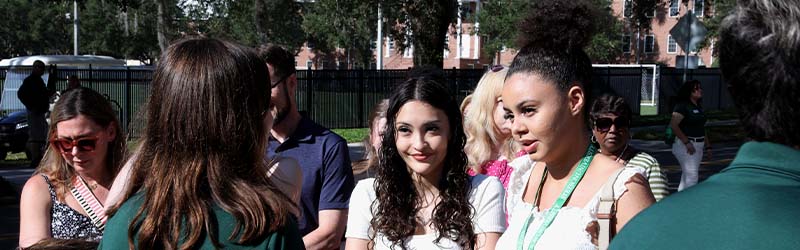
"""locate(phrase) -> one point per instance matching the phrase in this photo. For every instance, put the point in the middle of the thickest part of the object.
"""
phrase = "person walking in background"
(489, 145)
(554, 199)
(323, 156)
(688, 123)
(422, 197)
(365, 168)
(65, 197)
(751, 204)
(35, 95)
(200, 179)
(73, 82)
(611, 118)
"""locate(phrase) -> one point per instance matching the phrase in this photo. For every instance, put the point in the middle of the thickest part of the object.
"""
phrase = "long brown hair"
(203, 145)
(396, 204)
(371, 158)
(95, 107)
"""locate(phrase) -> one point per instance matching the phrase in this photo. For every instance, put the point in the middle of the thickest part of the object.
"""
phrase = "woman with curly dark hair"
(422, 198)
(554, 196)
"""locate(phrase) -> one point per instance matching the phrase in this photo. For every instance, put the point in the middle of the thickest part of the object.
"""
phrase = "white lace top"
(568, 230)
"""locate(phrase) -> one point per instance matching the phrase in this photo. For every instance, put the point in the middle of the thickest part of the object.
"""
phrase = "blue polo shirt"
(327, 176)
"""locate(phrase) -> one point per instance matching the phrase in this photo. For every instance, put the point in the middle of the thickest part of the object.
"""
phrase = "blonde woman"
(489, 145)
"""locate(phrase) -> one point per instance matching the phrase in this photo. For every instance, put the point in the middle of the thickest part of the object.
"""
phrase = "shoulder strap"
(89, 202)
(50, 187)
(606, 210)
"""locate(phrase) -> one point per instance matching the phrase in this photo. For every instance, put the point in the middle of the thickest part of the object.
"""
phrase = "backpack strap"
(607, 210)
(89, 203)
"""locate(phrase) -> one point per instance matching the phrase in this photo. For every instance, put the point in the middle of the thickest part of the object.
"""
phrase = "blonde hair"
(483, 136)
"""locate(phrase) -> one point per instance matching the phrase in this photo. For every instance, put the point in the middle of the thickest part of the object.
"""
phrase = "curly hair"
(610, 104)
(396, 204)
(552, 38)
(759, 58)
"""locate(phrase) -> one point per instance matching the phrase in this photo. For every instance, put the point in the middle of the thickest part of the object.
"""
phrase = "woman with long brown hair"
(200, 177)
(422, 197)
(64, 198)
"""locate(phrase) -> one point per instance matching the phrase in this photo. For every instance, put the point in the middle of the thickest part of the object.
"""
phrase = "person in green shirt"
(753, 203)
(200, 178)
(688, 123)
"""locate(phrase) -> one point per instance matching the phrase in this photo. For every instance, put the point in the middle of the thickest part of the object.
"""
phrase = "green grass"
(647, 110)
(352, 134)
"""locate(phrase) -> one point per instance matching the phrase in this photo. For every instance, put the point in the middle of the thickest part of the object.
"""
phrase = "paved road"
(17, 174)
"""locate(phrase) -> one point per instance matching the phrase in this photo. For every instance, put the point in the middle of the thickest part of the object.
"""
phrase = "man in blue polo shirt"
(323, 157)
(753, 203)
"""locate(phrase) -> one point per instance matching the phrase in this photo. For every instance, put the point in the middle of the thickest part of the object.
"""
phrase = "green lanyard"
(553, 211)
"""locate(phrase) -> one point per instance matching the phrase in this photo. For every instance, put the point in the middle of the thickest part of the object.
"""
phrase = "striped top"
(653, 173)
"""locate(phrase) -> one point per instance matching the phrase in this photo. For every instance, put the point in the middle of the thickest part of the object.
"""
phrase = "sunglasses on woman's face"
(604, 124)
(87, 144)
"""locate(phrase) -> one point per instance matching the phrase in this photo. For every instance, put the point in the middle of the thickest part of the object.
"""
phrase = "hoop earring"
(593, 139)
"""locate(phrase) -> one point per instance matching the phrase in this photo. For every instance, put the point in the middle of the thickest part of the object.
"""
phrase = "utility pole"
(379, 42)
(75, 27)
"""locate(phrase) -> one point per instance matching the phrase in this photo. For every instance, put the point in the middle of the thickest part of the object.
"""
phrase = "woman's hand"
(690, 148)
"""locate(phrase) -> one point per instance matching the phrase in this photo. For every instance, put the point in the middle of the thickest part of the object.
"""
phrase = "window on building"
(626, 44)
(389, 47)
(649, 43)
(465, 45)
(309, 64)
(672, 46)
(627, 8)
(409, 51)
(699, 8)
(674, 8)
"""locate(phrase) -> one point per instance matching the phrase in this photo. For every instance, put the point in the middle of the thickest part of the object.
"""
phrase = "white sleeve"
(488, 201)
(359, 214)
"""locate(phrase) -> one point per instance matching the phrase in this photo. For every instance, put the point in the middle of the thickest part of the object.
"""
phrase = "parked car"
(14, 133)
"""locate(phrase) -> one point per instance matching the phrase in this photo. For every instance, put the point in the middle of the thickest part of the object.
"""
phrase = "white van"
(20, 67)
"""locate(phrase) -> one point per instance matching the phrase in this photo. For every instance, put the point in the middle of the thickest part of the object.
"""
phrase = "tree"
(498, 23)
(345, 24)
(422, 25)
(279, 22)
(721, 10)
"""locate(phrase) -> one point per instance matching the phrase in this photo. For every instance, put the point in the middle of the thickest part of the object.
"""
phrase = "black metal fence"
(344, 98)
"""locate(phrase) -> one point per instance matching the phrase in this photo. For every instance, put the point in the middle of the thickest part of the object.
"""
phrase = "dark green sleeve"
(288, 237)
(681, 109)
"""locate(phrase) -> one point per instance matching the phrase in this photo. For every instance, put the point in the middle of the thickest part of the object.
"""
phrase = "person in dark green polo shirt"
(200, 178)
(753, 203)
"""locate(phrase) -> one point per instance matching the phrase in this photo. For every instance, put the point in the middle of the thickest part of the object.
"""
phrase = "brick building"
(464, 49)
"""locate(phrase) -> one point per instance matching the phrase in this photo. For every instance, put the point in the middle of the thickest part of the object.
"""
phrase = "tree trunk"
(258, 17)
(429, 24)
(162, 24)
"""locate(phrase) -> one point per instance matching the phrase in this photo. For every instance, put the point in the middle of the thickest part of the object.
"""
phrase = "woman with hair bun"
(554, 195)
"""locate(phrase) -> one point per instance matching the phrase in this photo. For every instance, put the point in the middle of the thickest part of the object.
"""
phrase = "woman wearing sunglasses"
(64, 198)
(688, 123)
(611, 118)
(200, 179)
(554, 199)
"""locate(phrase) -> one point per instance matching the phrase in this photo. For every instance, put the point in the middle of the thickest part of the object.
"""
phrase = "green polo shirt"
(116, 231)
(752, 204)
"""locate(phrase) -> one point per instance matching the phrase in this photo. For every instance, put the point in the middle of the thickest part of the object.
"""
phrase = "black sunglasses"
(496, 68)
(604, 124)
(283, 79)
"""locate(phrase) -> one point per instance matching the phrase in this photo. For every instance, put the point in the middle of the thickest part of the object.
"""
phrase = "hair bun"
(558, 24)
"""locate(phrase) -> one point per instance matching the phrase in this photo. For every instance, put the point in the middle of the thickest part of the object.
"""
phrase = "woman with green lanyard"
(554, 193)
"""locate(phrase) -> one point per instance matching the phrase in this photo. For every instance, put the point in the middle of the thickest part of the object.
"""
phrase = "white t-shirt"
(486, 196)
